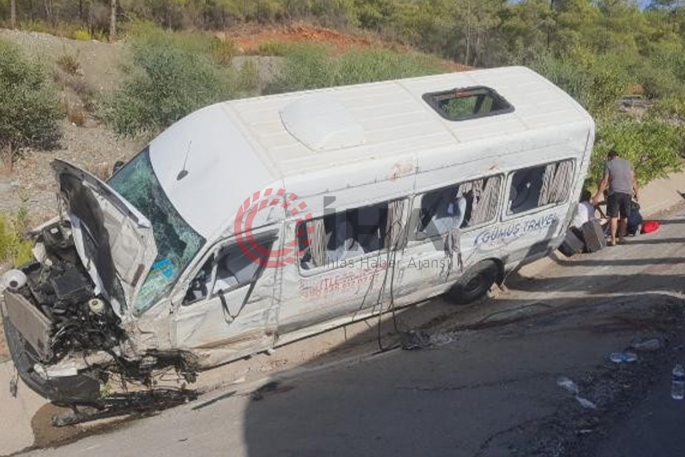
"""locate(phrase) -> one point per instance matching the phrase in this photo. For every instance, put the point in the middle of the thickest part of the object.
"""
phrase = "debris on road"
(123, 404)
(623, 357)
(570, 386)
(678, 384)
(418, 339)
(647, 345)
(585, 403)
(566, 384)
(414, 340)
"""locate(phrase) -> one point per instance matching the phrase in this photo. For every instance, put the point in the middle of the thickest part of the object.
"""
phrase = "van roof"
(236, 148)
(391, 118)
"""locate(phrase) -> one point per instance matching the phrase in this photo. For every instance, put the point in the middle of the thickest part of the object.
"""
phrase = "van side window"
(233, 271)
(342, 236)
(540, 186)
(199, 286)
(460, 206)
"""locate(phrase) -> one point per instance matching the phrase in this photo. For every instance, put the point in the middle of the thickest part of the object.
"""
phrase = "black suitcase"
(571, 245)
(593, 235)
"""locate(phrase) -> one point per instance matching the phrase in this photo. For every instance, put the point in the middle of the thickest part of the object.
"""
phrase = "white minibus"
(253, 223)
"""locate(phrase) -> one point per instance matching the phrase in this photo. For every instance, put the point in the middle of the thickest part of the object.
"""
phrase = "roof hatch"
(463, 104)
(322, 124)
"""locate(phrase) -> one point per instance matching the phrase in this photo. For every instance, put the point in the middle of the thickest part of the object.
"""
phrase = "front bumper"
(67, 389)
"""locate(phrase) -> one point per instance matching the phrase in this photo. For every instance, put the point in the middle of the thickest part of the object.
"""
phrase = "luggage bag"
(593, 235)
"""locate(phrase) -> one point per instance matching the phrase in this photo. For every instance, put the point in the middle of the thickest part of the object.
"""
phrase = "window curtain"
(556, 182)
(394, 224)
(485, 208)
(317, 241)
(562, 182)
(452, 246)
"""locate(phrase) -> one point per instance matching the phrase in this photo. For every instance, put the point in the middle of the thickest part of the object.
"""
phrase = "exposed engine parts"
(13, 280)
(57, 315)
(61, 289)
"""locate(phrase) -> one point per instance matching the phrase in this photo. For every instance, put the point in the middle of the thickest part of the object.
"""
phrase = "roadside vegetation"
(14, 249)
(29, 106)
(598, 50)
(312, 66)
(170, 75)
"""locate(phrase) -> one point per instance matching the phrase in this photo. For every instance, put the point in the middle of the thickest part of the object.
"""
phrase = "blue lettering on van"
(515, 230)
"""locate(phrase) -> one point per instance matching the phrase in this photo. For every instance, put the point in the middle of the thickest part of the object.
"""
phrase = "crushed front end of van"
(67, 315)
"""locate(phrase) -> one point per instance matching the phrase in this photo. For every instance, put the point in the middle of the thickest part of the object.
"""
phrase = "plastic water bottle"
(678, 386)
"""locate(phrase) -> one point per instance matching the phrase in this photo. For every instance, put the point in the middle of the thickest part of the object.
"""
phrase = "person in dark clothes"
(619, 179)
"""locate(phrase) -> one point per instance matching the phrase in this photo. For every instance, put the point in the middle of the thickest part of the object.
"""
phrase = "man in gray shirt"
(619, 179)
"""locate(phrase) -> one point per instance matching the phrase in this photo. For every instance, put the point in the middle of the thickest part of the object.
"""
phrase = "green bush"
(653, 146)
(363, 65)
(670, 109)
(13, 248)
(597, 82)
(312, 67)
(567, 75)
(143, 34)
(662, 75)
(29, 106)
(170, 77)
(306, 67)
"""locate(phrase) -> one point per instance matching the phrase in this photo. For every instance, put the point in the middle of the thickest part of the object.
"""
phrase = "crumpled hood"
(113, 239)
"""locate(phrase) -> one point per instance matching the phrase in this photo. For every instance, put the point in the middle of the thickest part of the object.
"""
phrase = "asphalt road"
(486, 387)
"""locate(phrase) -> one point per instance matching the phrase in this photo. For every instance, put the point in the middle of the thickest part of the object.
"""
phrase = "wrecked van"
(253, 223)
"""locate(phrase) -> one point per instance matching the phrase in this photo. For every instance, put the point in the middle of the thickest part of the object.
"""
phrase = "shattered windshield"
(177, 243)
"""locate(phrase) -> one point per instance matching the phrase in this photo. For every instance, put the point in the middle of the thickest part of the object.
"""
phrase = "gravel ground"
(32, 183)
(99, 61)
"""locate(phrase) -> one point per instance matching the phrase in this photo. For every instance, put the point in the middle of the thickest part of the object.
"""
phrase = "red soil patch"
(249, 40)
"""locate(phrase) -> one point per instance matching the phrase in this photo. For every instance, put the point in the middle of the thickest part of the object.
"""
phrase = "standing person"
(619, 179)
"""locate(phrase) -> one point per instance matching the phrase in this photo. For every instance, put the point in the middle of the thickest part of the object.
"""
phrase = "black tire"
(474, 283)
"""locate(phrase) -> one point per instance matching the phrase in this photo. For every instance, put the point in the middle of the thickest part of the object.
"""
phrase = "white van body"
(338, 150)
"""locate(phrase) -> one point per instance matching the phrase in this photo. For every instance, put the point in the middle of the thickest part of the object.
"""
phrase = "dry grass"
(69, 63)
(101, 170)
(75, 113)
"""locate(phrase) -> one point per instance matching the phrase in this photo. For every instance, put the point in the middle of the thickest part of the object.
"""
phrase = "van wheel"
(475, 283)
